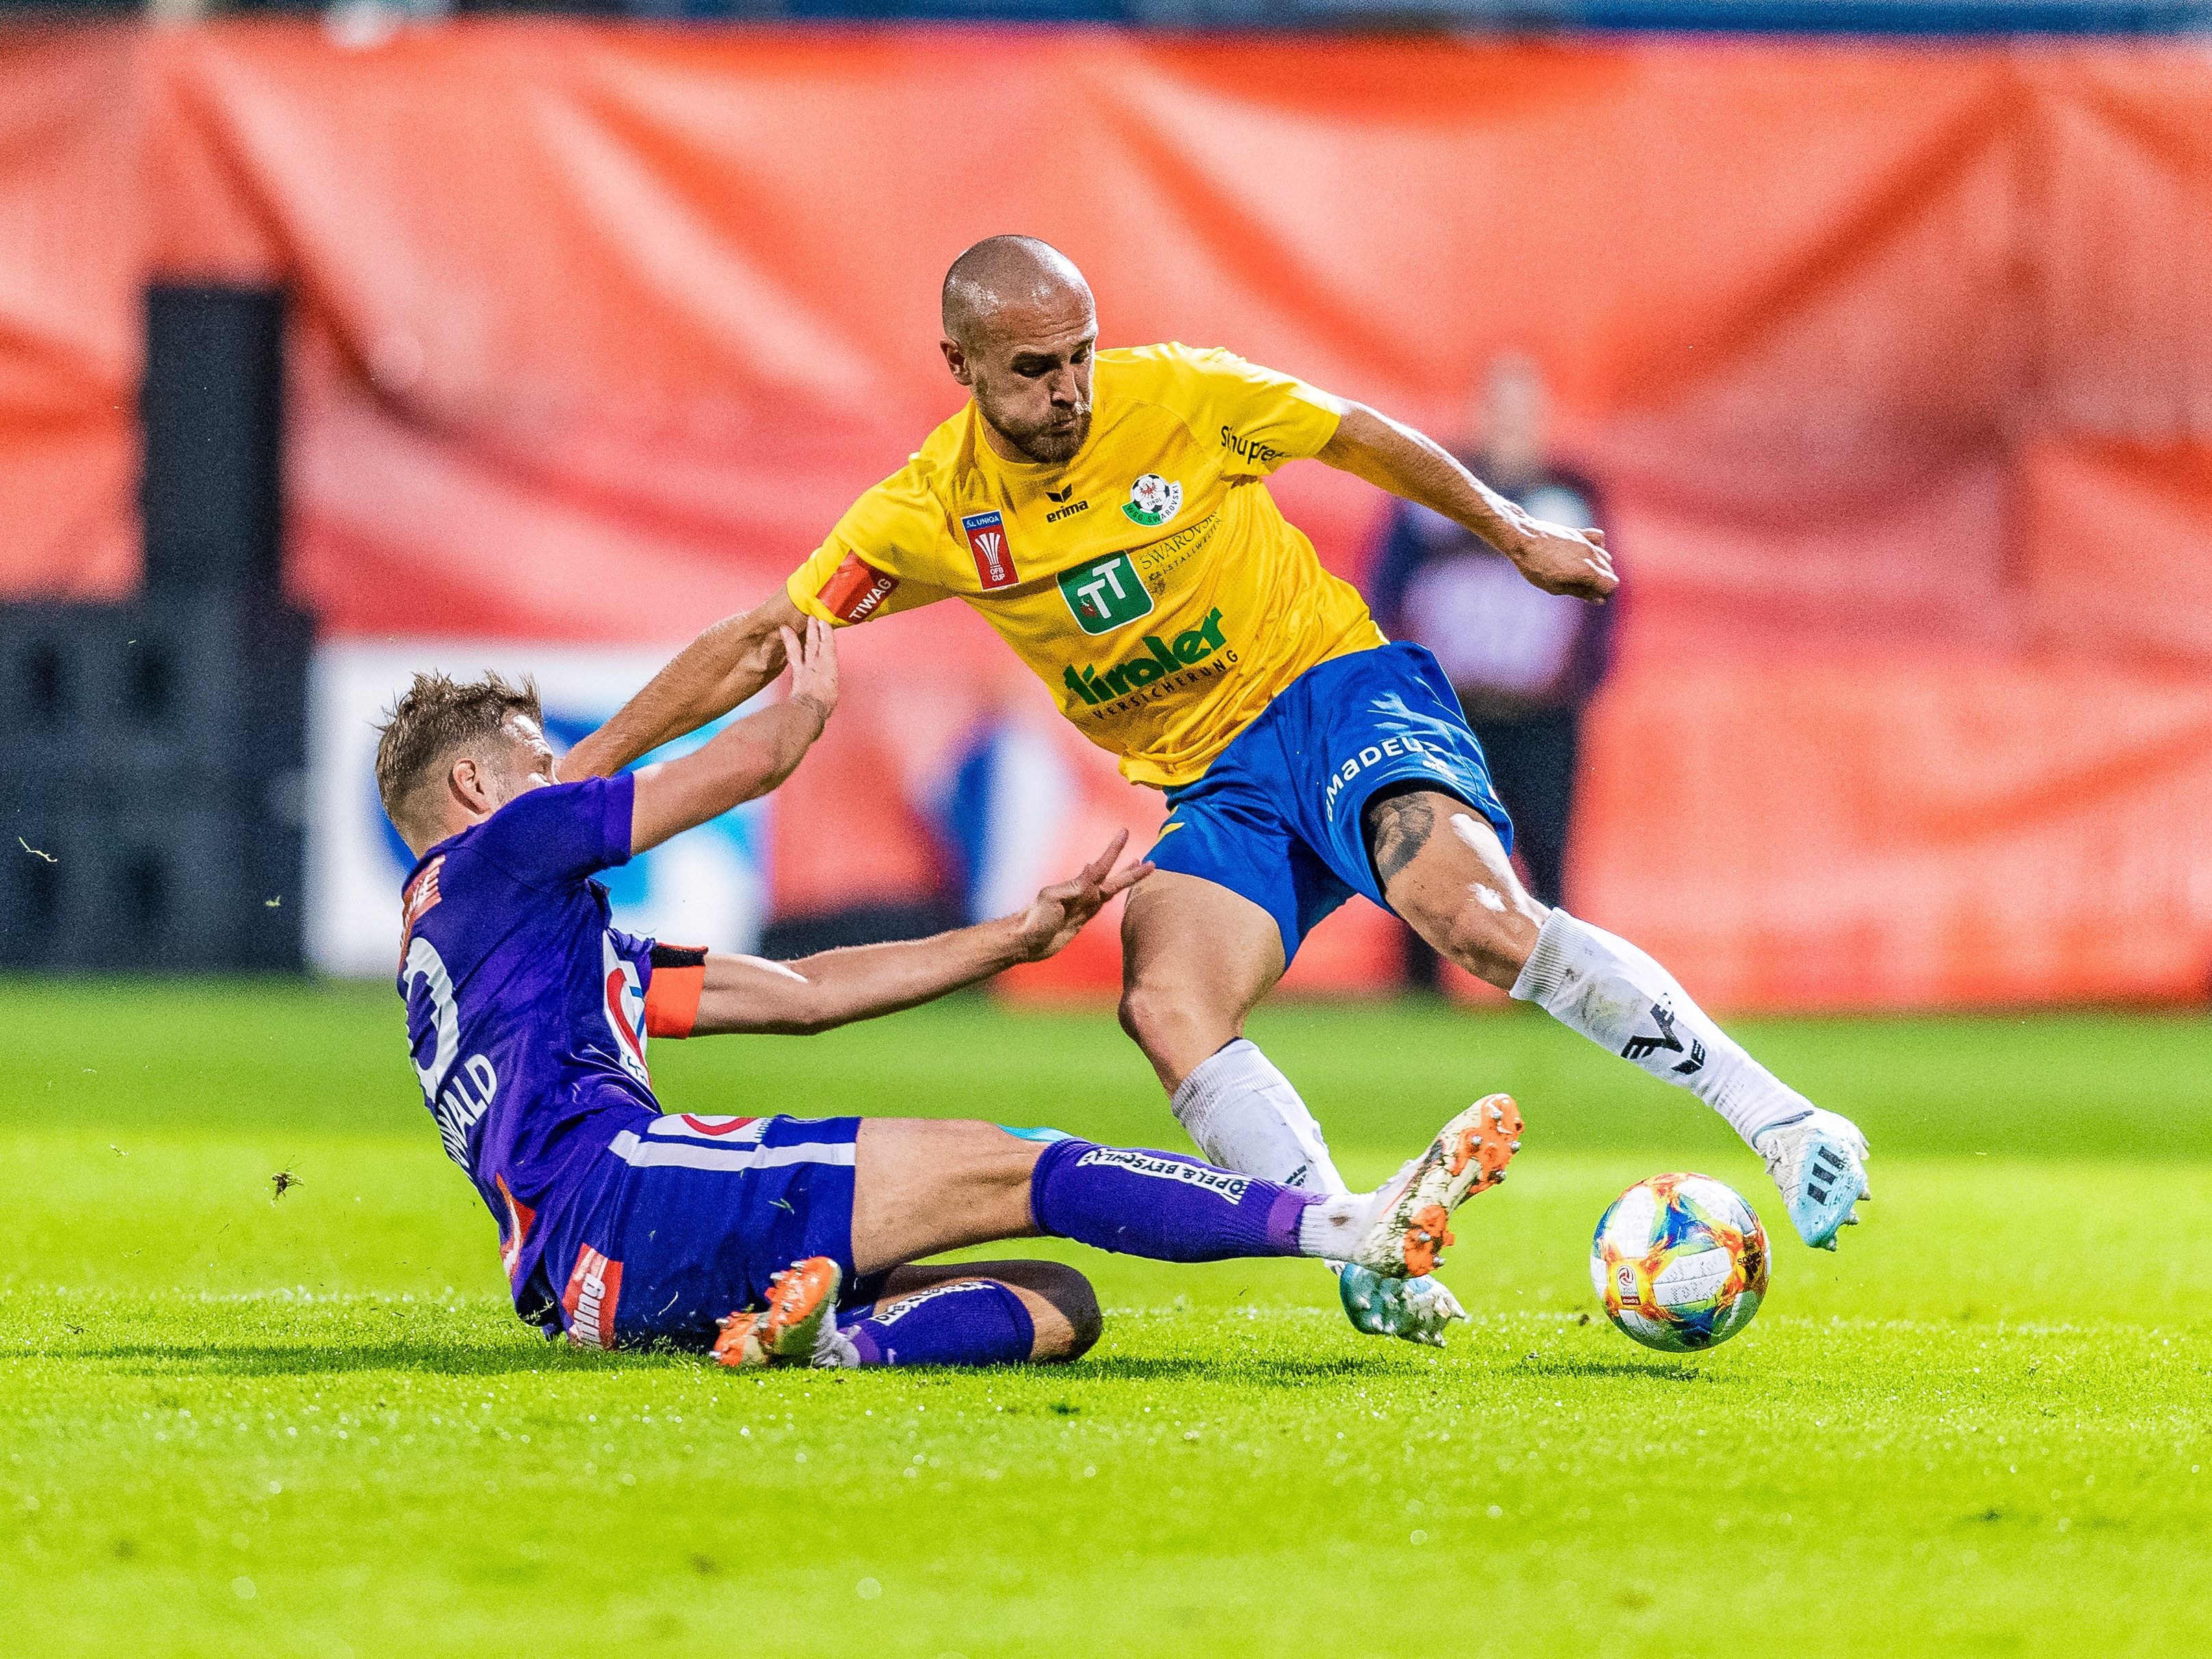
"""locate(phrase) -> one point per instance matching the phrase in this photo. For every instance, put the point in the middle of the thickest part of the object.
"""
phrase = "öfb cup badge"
(994, 557)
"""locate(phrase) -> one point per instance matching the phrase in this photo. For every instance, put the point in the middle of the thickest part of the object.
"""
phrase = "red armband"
(672, 994)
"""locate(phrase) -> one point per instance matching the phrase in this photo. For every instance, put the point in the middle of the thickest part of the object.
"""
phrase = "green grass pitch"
(231, 1422)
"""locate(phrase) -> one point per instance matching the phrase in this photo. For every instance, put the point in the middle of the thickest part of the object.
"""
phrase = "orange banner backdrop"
(1897, 364)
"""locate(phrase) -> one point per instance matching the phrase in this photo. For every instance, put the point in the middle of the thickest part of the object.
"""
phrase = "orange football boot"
(800, 1300)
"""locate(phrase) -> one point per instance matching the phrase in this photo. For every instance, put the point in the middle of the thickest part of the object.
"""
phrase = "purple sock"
(1162, 1205)
(970, 1321)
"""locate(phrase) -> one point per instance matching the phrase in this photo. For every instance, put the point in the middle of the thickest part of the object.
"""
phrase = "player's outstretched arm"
(817, 993)
(1394, 457)
(711, 676)
(747, 759)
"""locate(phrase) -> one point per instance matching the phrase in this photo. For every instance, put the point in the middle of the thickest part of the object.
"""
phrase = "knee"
(1069, 1294)
(1489, 933)
(1157, 1020)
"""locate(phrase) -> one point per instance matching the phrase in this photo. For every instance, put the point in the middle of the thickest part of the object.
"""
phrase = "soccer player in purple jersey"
(771, 1238)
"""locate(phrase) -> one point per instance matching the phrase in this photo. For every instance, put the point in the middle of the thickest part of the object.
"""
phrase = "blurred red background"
(1897, 365)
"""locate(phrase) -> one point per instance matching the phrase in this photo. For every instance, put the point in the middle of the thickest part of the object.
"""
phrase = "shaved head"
(1020, 332)
(1003, 274)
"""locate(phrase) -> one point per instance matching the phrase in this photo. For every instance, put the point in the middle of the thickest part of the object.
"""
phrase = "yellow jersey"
(1150, 582)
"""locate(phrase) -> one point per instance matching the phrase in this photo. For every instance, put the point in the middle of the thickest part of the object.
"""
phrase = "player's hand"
(1563, 560)
(814, 664)
(1058, 913)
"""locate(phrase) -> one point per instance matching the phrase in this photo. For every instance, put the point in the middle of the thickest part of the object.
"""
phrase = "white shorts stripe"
(676, 1126)
(694, 1155)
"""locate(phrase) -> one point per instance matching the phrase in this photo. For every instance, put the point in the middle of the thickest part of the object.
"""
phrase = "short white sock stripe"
(690, 1155)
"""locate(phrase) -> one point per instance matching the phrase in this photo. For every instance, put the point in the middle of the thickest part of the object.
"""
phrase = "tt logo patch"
(1105, 595)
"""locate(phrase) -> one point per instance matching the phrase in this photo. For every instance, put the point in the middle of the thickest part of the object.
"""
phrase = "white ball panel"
(1694, 1277)
(1720, 1201)
(1634, 1223)
(1649, 1331)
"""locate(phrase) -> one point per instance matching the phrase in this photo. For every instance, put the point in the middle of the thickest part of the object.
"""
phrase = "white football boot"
(1819, 1161)
(1411, 1309)
(1406, 1221)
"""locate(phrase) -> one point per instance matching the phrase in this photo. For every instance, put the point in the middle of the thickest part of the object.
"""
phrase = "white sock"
(1332, 1229)
(1245, 1117)
(1603, 987)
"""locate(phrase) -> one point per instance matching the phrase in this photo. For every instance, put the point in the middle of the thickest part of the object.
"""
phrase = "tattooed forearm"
(1398, 826)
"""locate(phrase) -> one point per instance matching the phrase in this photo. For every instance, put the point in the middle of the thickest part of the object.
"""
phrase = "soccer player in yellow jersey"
(1107, 513)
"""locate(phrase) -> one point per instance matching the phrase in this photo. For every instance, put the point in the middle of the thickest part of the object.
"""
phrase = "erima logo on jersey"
(854, 589)
(1159, 660)
(1229, 1186)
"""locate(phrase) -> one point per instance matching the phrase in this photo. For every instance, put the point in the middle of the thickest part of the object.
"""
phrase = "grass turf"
(308, 1425)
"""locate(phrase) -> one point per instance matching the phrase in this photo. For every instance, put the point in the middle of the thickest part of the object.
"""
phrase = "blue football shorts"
(1276, 817)
(687, 1216)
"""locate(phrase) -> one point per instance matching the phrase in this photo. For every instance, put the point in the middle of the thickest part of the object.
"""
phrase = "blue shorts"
(686, 1218)
(1277, 816)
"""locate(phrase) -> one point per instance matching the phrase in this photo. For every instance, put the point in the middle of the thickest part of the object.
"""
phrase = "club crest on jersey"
(1105, 594)
(994, 555)
(1153, 500)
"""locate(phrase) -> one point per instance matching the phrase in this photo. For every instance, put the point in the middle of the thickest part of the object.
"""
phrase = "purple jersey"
(526, 1006)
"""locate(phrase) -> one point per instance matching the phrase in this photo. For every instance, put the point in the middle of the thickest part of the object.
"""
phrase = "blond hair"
(436, 716)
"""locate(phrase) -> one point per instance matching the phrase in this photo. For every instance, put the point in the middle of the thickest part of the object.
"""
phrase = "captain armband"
(672, 994)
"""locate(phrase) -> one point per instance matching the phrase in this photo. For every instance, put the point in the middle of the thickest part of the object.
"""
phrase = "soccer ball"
(1679, 1261)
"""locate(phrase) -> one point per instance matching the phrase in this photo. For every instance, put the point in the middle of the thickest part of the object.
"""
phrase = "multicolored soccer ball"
(1679, 1261)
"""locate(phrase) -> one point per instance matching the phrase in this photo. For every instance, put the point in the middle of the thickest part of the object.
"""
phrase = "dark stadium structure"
(152, 758)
